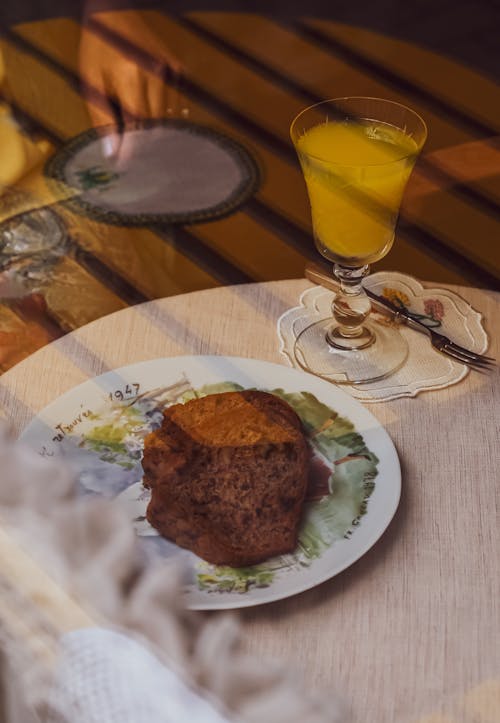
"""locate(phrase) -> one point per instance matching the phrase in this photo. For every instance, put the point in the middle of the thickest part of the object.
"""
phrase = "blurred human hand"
(128, 91)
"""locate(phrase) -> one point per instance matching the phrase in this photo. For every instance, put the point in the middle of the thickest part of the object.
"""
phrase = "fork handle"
(383, 304)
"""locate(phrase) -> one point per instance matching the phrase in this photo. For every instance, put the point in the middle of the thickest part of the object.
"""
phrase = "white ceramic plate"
(98, 428)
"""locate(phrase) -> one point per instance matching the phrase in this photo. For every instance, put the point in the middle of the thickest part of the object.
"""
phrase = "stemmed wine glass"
(356, 155)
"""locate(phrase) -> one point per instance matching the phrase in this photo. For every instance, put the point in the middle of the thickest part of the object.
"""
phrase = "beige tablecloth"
(411, 632)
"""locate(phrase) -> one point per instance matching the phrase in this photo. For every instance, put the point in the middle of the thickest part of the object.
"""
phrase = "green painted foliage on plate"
(230, 579)
(117, 439)
(334, 516)
(111, 440)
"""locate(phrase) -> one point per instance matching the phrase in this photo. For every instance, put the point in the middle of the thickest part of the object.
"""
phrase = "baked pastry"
(228, 474)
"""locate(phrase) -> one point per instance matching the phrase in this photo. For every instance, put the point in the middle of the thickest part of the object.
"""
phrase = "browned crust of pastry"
(228, 475)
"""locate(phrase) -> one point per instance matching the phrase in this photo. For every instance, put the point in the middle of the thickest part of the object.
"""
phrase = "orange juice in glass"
(356, 155)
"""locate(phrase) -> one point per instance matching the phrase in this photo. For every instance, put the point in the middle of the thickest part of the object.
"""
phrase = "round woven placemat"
(166, 171)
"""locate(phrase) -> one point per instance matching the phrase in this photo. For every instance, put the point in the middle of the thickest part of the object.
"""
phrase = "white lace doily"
(425, 368)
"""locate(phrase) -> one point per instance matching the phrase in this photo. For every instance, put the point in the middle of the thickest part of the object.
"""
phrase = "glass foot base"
(364, 340)
(385, 356)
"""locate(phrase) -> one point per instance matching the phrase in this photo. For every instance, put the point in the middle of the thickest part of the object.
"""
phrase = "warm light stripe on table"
(113, 245)
(144, 259)
(75, 297)
(40, 89)
(20, 337)
(282, 186)
(280, 177)
(277, 49)
(459, 209)
(67, 29)
(476, 164)
(320, 73)
(472, 93)
(254, 249)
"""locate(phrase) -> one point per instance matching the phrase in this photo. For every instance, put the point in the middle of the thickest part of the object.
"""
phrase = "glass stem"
(351, 307)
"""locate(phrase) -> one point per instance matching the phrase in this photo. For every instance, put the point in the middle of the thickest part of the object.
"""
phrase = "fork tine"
(478, 363)
(475, 356)
(442, 343)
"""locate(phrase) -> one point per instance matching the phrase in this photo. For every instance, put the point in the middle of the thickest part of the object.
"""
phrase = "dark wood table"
(245, 76)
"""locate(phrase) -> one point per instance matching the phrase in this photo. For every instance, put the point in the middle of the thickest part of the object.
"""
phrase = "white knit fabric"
(142, 657)
(104, 676)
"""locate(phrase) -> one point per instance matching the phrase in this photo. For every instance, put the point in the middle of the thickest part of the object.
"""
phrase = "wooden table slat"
(253, 248)
(462, 87)
(153, 266)
(320, 72)
(476, 164)
(45, 95)
(75, 297)
(476, 249)
(282, 189)
(19, 337)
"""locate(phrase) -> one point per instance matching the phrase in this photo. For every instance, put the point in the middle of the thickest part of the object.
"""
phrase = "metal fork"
(440, 342)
